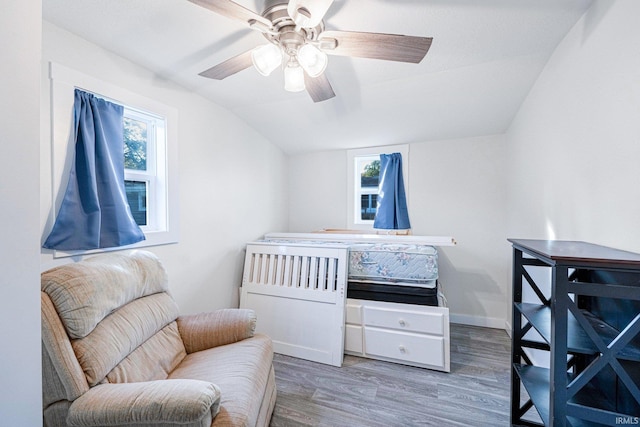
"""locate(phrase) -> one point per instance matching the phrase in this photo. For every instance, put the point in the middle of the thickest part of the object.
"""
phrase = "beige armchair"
(115, 352)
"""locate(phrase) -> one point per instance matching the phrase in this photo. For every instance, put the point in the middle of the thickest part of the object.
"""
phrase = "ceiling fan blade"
(229, 67)
(390, 47)
(319, 87)
(235, 11)
(315, 9)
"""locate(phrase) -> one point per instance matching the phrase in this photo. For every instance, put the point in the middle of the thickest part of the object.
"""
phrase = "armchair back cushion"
(85, 293)
(118, 317)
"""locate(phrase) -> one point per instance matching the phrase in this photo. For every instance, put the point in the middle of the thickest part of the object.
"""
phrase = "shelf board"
(535, 380)
(577, 339)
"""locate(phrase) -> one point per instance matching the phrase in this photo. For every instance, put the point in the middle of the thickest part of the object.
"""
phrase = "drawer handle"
(402, 322)
(402, 349)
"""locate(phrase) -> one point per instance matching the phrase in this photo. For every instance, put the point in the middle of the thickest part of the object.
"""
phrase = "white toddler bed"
(299, 283)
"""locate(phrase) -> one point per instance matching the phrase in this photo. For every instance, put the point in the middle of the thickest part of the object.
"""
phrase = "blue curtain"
(94, 212)
(392, 213)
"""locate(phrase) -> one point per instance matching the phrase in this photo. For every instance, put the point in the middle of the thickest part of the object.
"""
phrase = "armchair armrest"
(163, 402)
(220, 327)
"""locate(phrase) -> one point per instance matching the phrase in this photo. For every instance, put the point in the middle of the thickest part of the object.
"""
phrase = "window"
(367, 171)
(150, 153)
(144, 143)
(363, 179)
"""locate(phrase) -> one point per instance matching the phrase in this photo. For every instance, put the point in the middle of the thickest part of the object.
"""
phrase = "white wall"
(317, 191)
(575, 143)
(456, 188)
(232, 181)
(20, 367)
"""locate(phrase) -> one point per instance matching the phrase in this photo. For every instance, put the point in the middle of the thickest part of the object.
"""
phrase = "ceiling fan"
(297, 38)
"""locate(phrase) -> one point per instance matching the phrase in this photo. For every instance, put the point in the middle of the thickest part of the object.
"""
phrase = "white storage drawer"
(426, 323)
(404, 333)
(406, 346)
(353, 339)
(353, 313)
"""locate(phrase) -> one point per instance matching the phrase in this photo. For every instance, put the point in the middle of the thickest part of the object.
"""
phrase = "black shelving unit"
(587, 321)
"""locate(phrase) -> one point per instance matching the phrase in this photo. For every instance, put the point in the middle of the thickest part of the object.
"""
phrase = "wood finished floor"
(373, 393)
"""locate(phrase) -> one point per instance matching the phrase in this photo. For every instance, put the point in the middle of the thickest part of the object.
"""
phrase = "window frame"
(165, 228)
(354, 189)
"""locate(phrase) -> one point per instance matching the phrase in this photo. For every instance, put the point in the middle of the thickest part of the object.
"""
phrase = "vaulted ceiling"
(485, 56)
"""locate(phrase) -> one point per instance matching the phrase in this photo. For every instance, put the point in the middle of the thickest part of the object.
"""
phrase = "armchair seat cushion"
(242, 381)
(151, 403)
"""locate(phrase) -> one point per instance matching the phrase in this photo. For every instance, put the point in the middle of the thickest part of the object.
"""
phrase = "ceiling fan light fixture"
(293, 77)
(313, 60)
(266, 58)
(297, 37)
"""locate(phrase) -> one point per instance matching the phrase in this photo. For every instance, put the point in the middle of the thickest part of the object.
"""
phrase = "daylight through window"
(368, 176)
(144, 143)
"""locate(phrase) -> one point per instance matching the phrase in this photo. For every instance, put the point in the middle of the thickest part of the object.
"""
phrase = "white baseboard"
(507, 327)
(486, 322)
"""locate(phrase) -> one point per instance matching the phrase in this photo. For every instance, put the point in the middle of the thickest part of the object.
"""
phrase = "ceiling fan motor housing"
(276, 12)
(291, 40)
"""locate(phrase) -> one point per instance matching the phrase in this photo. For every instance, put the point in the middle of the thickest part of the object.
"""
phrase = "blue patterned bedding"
(402, 264)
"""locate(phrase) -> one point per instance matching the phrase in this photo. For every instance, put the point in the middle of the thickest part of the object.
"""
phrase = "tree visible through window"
(371, 170)
(135, 144)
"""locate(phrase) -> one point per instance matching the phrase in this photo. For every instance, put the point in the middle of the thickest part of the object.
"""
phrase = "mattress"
(386, 263)
(400, 264)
